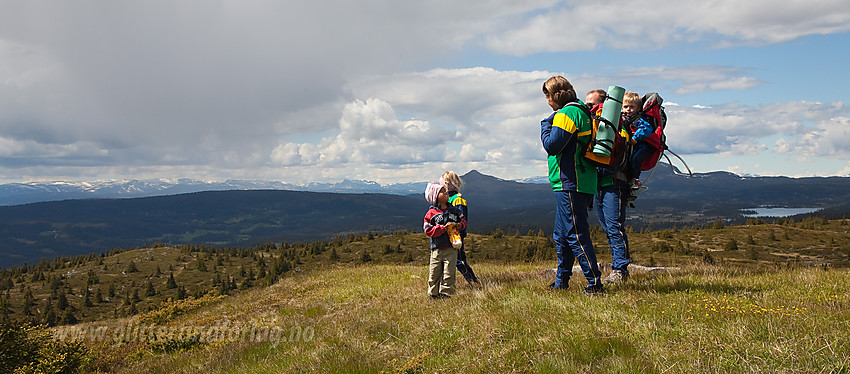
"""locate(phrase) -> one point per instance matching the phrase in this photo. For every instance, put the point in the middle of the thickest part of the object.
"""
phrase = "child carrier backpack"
(653, 113)
(621, 146)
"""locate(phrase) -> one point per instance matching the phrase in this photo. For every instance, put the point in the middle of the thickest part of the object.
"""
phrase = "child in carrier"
(641, 129)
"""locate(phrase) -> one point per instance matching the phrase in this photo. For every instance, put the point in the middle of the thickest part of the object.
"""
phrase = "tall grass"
(378, 319)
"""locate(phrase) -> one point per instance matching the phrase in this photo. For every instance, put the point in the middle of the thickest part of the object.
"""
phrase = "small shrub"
(498, 233)
(173, 309)
(179, 344)
(707, 258)
(32, 349)
(663, 247)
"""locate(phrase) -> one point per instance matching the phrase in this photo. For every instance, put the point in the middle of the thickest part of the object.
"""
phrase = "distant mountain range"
(33, 192)
(246, 216)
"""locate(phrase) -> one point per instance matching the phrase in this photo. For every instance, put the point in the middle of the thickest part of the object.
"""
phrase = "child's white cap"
(431, 192)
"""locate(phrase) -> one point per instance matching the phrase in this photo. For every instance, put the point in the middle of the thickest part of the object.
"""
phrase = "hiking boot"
(635, 184)
(616, 276)
(635, 188)
(563, 287)
(594, 290)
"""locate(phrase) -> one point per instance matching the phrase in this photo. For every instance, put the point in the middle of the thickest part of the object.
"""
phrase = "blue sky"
(303, 91)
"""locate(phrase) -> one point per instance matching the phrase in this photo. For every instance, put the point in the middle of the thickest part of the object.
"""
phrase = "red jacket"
(435, 222)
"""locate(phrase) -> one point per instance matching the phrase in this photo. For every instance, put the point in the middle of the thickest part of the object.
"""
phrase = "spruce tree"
(171, 283)
(181, 293)
(28, 302)
(151, 290)
(61, 301)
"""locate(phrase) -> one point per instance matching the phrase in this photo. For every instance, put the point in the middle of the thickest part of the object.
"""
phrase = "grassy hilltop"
(764, 297)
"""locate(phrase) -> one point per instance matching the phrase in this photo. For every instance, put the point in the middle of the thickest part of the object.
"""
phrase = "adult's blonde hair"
(633, 98)
(450, 179)
(560, 90)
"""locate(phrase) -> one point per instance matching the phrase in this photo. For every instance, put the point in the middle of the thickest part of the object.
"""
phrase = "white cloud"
(783, 146)
(582, 26)
(803, 128)
(490, 119)
(21, 151)
(469, 153)
(465, 97)
(163, 83)
(682, 80)
(370, 133)
(270, 89)
(829, 139)
(845, 172)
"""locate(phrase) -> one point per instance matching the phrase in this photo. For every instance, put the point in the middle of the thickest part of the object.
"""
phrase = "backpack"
(653, 113)
(619, 156)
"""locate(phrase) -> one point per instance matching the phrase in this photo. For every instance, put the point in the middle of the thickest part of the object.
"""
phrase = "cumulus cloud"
(466, 97)
(194, 82)
(844, 172)
(829, 138)
(803, 128)
(655, 24)
(297, 89)
(681, 80)
(490, 118)
(371, 133)
(497, 112)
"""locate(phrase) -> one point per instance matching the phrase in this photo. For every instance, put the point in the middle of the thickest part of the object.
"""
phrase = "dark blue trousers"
(464, 268)
(572, 238)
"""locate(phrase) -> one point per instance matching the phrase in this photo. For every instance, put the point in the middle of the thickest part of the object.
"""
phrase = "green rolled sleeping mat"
(606, 131)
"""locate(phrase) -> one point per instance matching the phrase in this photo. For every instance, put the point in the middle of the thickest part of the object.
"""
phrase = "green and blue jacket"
(457, 200)
(561, 134)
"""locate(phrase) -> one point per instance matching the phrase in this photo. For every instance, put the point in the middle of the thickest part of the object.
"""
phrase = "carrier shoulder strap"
(583, 108)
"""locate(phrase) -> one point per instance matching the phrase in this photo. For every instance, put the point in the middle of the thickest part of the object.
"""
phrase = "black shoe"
(594, 290)
(440, 296)
(563, 287)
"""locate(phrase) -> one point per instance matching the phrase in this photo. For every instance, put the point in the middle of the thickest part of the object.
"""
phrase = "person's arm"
(430, 229)
(462, 224)
(556, 131)
(643, 129)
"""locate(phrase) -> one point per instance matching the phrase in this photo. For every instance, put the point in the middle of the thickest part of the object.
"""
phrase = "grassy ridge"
(124, 283)
(377, 318)
(758, 297)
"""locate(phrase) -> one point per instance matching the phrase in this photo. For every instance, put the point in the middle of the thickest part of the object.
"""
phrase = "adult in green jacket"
(573, 180)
